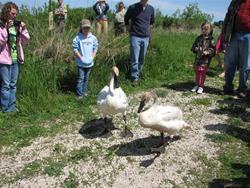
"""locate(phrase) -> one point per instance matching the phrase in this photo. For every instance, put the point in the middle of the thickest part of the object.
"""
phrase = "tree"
(192, 16)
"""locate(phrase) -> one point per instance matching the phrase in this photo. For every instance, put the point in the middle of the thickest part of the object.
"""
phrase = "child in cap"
(85, 46)
(204, 49)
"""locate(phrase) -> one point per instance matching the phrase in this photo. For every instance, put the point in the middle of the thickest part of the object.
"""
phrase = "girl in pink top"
(13, 34)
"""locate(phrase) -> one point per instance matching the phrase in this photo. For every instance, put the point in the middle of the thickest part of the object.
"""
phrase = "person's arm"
(24, 34)
(76, 49)
(95, 9)
(127, 18)
(152, 20)
(194, 47)
(106, 9)
(128, 15)
(3, 37)
(95, 47)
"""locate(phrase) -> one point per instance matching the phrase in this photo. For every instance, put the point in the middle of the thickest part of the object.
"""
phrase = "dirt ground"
(126, 162)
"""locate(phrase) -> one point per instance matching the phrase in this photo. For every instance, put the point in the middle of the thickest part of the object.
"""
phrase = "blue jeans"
(138, 49)
(237, 54)
(8, 77)
(82, 81)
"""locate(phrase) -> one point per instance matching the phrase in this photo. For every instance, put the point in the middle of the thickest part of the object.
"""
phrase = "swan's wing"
(172, 126)
(102, 96)
(167, 113)
(118, 101)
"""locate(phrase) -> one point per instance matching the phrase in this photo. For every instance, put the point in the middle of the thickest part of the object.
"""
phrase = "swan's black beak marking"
(116, 82)
(142, 104)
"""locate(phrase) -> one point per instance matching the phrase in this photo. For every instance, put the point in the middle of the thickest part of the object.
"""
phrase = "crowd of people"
(137, 20)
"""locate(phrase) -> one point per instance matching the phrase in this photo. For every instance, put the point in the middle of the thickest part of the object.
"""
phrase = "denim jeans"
(8, 77)
(82, 81)
(138, 49)
(237, 54)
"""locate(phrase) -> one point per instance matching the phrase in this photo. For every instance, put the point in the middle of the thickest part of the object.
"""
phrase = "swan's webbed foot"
(126, 133)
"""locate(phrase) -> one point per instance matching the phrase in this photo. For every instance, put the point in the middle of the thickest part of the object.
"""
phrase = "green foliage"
(192, 16)
(77, 14)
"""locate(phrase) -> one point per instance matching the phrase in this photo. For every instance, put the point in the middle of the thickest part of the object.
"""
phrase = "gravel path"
(118, 162)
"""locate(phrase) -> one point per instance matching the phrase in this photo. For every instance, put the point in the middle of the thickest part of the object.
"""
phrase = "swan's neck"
(155, 99)
(111, 83)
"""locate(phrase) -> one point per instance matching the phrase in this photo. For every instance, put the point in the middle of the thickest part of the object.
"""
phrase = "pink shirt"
(5, 56)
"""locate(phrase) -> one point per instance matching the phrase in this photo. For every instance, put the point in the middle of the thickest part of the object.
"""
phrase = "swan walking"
(167, 119)
(112, 100)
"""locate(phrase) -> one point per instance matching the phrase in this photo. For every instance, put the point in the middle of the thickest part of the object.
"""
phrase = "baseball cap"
(85, 23)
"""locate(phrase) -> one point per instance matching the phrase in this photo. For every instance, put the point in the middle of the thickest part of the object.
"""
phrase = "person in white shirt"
(119, 19)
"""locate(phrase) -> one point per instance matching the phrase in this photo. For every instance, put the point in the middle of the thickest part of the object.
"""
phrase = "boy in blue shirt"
(85, 46)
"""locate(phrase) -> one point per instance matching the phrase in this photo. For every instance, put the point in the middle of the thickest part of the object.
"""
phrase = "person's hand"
(127, 28)
(81, 58)
(206, 52)
(23, 25)
(10, 23)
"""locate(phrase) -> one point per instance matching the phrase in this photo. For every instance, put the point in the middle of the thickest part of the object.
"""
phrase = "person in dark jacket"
(204, 49)
(101, 8)
(138, 19)
(236, 42)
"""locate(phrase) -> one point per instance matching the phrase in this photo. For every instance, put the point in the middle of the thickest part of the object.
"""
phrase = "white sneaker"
(200, 90)
(194, 89)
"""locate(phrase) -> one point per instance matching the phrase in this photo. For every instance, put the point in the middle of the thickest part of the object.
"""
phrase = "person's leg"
(143, 50)
(80, 81)
(105, 28)
(85, 80)
(230, 61)
(203, 75)
(14, 72)
(244, 55)
(98, 28)
(5, 86)
(134, 56)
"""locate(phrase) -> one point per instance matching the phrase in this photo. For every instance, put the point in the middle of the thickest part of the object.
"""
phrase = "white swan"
(112, 100)
(161, 118)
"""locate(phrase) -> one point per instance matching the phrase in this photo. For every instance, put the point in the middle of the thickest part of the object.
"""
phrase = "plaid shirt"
(228, 24)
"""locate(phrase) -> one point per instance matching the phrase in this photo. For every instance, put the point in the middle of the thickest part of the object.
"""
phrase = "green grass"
(204, 102)
(70, 182)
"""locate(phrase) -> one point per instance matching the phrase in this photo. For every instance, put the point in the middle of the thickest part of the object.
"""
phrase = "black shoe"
(227, 92)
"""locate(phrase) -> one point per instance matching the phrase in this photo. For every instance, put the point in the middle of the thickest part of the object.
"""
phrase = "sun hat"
(85, 23)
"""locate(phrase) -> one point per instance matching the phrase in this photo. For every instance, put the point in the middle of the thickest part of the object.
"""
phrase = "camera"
(17, 23)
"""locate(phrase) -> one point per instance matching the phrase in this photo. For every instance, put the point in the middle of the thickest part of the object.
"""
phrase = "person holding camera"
(61, 15)
(13, 34)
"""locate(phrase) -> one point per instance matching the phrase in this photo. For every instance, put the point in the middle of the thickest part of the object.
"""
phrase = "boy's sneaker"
(79, 97)
(200, 90)
(194, 89)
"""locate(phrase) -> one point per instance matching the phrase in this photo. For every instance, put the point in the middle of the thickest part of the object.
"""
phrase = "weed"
(71, 181)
